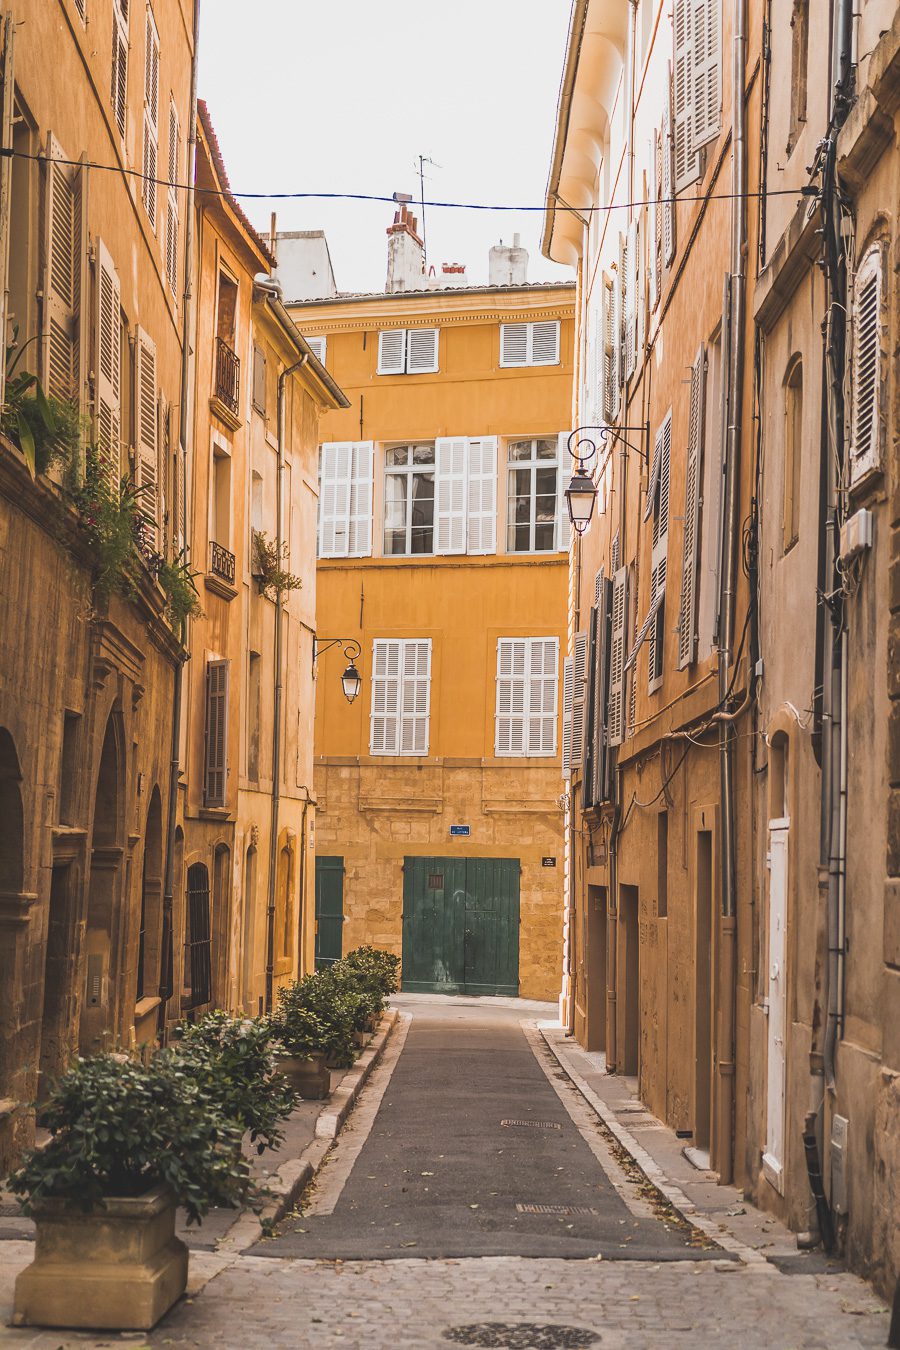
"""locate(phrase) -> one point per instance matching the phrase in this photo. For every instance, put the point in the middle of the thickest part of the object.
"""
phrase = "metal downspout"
(167, 962)
(279, 685)
(725, 1067)
(7, 37)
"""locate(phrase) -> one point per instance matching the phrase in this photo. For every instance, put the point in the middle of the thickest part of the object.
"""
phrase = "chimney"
(406, 252)
(508, 264)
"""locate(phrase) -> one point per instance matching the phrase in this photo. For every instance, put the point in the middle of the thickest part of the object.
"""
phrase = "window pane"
(519, 450)
(398, 455)
(423, 454)
(543, 537)
(546, 449)
(519, 538)
(423, 513)
(546, 482)
(395, 512)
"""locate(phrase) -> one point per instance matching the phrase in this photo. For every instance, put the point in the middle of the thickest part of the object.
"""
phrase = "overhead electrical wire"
(9, 153)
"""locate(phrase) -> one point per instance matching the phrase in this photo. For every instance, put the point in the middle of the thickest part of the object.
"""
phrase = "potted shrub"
(232, 1062)
(304, 1038)
(324, 995)
(375, 966)
(128, 1145)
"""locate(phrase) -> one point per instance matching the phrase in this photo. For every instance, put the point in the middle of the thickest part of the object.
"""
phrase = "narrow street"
(474, 1199)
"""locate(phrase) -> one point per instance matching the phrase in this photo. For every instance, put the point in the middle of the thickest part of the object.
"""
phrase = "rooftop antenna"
(423, 160)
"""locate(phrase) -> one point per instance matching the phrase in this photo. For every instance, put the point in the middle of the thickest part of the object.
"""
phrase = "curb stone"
(654, 1173)
(292, 1177)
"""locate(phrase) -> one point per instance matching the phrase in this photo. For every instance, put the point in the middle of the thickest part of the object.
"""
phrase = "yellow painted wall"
(375, 810)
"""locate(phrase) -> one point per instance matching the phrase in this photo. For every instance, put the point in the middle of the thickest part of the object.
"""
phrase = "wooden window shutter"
(384, 735)
(509, 713)
(662, 453)
(687, 619)
(415, 696)
(259, 379)
(119, 79)
(540, 698)
(108, 365)
(610, 384)
(615, 720)
(317, 345)
(640, 299)
(151, 120)
(482, 495)
(450, 494)
(587, 780)
(359, 542)
(172, 200)
(514, 344)
(198, 965)
(866, 367)
(335, 471)
(147, 436)
(706, 28)
(216, 774)
(659, 142)
(686, 165)
(579, 697)
(392, 351)
(599, 756)
(568, 694)
(668, 177)
(631, 299)
(62, 269)
(543, 341)
(621, 303)
(422, 350)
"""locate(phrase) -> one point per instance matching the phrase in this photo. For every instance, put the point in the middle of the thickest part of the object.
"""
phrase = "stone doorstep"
(290, 1180)
(696, 1196)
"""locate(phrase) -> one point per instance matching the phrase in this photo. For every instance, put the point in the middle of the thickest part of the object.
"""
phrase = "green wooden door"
(461, 925)
(329, 910)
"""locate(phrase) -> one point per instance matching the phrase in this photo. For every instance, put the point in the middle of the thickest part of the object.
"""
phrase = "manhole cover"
(555, 1209)
(535, 1124)
(522, 1336)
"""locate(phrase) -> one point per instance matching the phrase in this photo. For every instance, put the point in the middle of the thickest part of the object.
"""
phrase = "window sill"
(214, 813)
(144, 1007)
(219, 586)
(224, 413)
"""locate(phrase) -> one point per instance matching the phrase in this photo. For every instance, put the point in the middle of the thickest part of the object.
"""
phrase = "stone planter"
(116, 1268)
(307, 1075)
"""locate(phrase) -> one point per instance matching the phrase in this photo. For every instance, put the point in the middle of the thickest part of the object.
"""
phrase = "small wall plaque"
(460, 829)
(548, 862)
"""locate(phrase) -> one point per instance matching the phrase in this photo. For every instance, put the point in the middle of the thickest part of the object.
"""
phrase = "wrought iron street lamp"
(581, 494)
(351, 680)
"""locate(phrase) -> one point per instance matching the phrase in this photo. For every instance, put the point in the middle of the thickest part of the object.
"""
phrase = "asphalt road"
(445, 1168)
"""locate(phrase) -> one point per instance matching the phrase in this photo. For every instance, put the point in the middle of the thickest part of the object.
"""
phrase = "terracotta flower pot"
(307, 1075)
(119, 1267)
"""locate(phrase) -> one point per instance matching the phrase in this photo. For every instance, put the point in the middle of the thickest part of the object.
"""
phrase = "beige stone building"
(442, 556)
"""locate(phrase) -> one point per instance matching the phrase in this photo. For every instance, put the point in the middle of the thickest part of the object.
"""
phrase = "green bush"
(375, 966)
(180, 586)
(336, 1009)
(362, 993)
(120, 1129)
(231, 1060)
(46, 429)
(300, 1030)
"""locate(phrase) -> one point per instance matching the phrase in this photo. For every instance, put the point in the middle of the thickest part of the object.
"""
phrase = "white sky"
(343, 96)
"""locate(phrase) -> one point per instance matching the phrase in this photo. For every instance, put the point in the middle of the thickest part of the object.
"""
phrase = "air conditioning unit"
(856, 535)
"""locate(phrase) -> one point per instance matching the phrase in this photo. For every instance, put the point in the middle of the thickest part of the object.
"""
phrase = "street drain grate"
(555, 1209)
(11, 1212)
(535, 1124)
(522, 1336)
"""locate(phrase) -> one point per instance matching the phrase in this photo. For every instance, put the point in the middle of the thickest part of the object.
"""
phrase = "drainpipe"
(7, 36)
(725, 1085)
(167, 961)
(276, 717)
(303, 870)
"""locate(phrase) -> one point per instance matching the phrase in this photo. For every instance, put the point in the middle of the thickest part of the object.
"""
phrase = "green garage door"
(329, 910)
(461, 925)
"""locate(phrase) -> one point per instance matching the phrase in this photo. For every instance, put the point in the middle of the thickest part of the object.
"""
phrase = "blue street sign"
(460, 829)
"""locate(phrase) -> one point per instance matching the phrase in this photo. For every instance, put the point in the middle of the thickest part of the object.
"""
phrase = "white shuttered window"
(706, 21)
(63, 275)
(119, 78)
(866, 339)
(412, 351)
(151, 119)
(530, 344)
(172, 200)
(525, 720)
(148, 476)
(108, 392)
(401, 696)
(687, 619)
(345, 499)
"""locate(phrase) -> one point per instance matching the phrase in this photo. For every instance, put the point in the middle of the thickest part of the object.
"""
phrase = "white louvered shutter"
(108, 391)
(568, 692)
(540, 709)
(147, 435)
(482, 495)
(544, 343)
(514, 344)
(392, 351)
(706, 29)
(62, 284)
(450, 494)
(422, 350)
(656, 270)
(509, 716)
(631, 299)
(563, 474)
(621, 286)
(385, 716)
(600, 682)
(216, 756)
(172, 200)
(640, 272)
(598, 365)
(663, 452)
(317, 346)
(615, 717)
(415, 702)
(686, 166)
(660, 545)
(866, 366)
(668, 177)
(119, 80)
(151, 119)
(579, 697)
(359, 542)
(335, 475)
(610, 382)
(687, 618)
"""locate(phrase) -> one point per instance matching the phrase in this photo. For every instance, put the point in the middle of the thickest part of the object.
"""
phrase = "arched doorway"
(104, 894)
(150, 934)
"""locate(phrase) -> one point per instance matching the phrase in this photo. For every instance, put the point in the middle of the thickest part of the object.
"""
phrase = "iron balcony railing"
(221, 562)
(228, 375)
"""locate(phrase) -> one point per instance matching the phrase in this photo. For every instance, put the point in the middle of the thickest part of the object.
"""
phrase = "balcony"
(221, 571)
(225, 401)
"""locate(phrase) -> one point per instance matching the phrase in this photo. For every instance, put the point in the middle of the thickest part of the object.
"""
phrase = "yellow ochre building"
(443, 548)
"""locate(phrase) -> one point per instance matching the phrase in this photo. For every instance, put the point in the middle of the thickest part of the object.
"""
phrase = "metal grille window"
(216, 776)
(532, 495)
(197, 940)
(527, 675)
(401, 696)
(409, 499)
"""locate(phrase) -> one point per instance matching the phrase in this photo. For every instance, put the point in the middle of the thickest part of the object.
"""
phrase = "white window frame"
(519, 690)
(866, 420)
(507, 331)
(318, 346)
(533, 464)
(405, 365)
(397, 689)
(407, 472)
